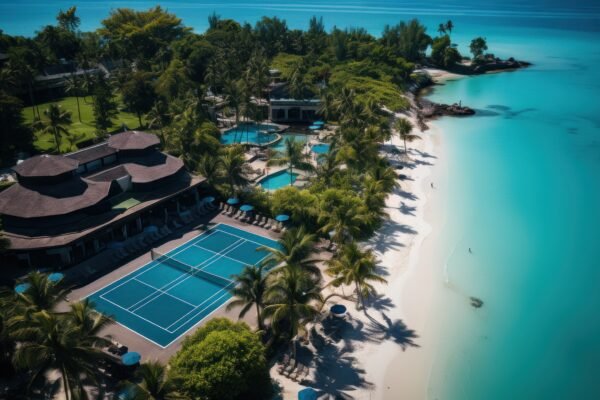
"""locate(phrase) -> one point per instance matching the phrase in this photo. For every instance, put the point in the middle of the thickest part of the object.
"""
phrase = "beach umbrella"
(131, 358)
(314, 127)
(208, 199)
(22, 287)
(307, 394)
(339, 310)
(282, 217)
(55, 276)
(246, 208)
(319, 123)
(233, 201)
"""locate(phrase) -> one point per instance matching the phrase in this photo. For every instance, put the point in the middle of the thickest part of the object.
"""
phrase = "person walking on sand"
(432, 185)
(470, 251)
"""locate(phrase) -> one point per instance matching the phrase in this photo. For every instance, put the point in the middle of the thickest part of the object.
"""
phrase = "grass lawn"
(80, 131)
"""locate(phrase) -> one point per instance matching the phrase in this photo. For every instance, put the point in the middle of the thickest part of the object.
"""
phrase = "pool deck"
(132, 340)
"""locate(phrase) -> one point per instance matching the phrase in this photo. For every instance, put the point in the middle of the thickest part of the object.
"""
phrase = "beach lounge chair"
(285, 362)
(267, 224)
(257, 220)
(237, 215)
(299, 371)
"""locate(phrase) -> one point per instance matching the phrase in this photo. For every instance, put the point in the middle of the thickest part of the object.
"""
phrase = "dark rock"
(476, 302)
(430, 109)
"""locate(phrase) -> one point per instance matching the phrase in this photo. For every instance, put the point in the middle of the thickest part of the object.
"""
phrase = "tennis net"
(194, 271)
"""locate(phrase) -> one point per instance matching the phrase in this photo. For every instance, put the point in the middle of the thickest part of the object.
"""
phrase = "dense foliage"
(222, 360)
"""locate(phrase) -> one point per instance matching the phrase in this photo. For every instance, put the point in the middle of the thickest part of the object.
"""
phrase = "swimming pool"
(165, 298)
(250, 133)
(278, 180)
(320, 148)
(298, 137)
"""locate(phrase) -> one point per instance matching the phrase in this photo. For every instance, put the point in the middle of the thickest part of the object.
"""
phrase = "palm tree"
(353, 266)
(233, 163)
(442, 29)
(234, 96)
(158, 117)
(42, 294)
(294, 157)
(209, 166)
(449, 26)
(342, 218)
(296, 247)
(73, 87)
(292, 301)
(90, 322)
(153, 383)
(57, 122)
(404, 128)
(52, 342)
(384, 174)
(251, 285)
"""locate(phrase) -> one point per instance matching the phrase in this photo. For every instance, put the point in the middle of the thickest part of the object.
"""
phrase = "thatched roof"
(45, 165)
(133, 140)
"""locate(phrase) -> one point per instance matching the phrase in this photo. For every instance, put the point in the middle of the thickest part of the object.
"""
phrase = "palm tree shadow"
(380, 302)
(406, 209)
(406, 195)
(382, 242)
(397, 331)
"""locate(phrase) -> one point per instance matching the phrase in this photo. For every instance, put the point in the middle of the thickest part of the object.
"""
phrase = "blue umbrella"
(131, 358)
(338, 309)
(314, 127)
(307, 394)
(115, 245)
(22, 287)
(55, 276)
(233, 201)
(247, 207)
(282, 217)
(319, 123)
(208, 199)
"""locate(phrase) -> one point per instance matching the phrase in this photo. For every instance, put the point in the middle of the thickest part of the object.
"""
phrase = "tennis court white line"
(196, 239)
(152, 267)
(227, 287)
(247, 240)
(134, 305)
(139, 316)
(177, 281)
(196, 313)
(167, 293)
(224, 255)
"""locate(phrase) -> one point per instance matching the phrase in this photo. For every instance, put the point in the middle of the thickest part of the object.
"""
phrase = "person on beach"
(432, 185)
(470, 252)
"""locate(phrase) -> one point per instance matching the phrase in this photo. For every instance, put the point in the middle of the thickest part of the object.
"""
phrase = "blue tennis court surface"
(166, 297)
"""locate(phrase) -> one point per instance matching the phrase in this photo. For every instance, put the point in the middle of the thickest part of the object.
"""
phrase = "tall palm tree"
(209, 166)
(404, 128)
(342, 219)
(235, 97)
(251, 285)
(73, 87)
(293, 300)
(442, 29)
(158, 117)
(42, 294)
(353, 266)
(449, 26)
(294, 156)
(153, 383)
(57, 122)
(384, 174)
(52, 342)
(90, 323)
(235, 168)
(296, 248)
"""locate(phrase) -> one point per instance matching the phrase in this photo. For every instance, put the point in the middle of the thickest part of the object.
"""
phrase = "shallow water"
(523, 173)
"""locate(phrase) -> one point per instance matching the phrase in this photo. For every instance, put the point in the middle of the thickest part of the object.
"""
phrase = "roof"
(133, 140)
(53, 199)
(45, 165)
(153, 168)
(57, 235)
(92, 153)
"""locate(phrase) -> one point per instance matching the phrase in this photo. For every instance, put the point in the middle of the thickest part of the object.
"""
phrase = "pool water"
(278, 180)
(320, 148)
(250, 133)
(298, 137)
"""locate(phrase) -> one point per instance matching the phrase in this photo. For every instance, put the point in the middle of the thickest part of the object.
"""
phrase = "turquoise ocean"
(523, 175)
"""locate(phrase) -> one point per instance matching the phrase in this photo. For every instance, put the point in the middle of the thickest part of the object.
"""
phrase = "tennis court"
(166, 297)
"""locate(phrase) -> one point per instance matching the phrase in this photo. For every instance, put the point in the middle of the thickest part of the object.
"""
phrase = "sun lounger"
(257, 220)
(237, 215)
(299, 371)
(267, 223)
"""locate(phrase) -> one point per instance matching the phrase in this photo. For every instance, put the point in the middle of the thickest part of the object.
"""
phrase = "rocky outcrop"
(429, 109)
(488, 65)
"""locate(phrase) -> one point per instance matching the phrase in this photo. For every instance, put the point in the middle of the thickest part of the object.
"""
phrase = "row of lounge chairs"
(253, 218)
(140, 242)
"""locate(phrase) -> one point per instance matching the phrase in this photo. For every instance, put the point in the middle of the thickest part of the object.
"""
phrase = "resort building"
(284, 108)
(67, 208)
